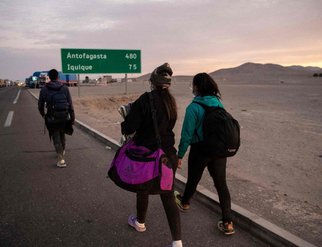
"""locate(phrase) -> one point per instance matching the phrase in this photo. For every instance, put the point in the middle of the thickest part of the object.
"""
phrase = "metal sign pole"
(78, 86)
(125, 84)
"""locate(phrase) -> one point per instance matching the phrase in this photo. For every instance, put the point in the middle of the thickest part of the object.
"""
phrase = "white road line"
(17, 97)
(9, 119)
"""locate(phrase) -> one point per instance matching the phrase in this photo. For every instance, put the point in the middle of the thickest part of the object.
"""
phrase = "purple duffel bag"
(136, 168)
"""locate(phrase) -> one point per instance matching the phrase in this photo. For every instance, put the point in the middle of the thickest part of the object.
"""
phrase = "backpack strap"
(155, 122)
(204, 106)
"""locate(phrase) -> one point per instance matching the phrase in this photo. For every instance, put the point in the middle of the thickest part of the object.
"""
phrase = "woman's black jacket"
(139, 120)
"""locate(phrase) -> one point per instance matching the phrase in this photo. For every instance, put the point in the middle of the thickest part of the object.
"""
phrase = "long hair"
(169, 102)
(205, 85)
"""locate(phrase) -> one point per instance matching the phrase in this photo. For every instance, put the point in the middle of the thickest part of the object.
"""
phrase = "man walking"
(59, 116)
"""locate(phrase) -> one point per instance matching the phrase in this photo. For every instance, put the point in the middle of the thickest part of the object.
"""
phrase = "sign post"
(100, 61)
(78, 85)
(125, 84)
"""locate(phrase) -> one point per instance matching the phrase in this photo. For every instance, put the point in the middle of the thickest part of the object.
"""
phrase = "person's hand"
(179, 163)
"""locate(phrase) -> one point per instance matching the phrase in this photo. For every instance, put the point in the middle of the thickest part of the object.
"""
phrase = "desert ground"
(278, 169)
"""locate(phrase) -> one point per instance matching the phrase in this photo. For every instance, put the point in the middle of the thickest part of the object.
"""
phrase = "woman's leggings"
(169, 205)
(197, 162)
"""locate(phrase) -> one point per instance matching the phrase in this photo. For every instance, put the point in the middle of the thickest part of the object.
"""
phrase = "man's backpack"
(58, 108)
(221, 132)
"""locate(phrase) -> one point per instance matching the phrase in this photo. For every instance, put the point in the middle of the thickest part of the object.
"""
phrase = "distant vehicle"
(36, 78)
(40, 78)
(2, 83)
(20, 83)
(43, 79)
(68, 79)
(32, 82)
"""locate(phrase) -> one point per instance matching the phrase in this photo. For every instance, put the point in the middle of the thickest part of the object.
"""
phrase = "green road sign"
(99, 61)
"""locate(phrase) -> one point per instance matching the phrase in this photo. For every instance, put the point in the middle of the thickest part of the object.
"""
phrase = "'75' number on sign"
(133, 67)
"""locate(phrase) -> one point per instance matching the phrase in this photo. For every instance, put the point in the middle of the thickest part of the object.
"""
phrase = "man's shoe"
(227, 227)
(61, 163)
(182, 206)
(132, 221)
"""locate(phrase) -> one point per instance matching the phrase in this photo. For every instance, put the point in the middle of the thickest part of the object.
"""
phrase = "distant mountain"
(256, 72)
(257, 68)
(308, 68)
(146, 77)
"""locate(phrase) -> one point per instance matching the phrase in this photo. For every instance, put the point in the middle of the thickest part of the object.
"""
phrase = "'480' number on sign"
(133, 66)
(131, 56)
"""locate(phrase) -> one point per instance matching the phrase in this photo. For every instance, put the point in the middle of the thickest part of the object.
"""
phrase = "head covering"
(161, 76)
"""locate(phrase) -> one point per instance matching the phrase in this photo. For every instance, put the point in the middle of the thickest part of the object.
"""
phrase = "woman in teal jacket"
(206, 91)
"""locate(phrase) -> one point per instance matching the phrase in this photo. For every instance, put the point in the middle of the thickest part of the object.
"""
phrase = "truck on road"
(40, 78)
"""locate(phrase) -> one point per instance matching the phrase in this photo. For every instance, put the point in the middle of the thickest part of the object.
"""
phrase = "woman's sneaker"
(140, 227)
(182, 206)
(227, 227)
(177, 243)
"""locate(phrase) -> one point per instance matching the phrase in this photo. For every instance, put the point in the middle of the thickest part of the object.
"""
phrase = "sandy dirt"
(277, 172)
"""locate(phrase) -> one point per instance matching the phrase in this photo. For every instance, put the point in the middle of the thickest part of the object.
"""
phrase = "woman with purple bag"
(139, 121)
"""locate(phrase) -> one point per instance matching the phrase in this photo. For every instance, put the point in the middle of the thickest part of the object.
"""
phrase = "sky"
(191, 35)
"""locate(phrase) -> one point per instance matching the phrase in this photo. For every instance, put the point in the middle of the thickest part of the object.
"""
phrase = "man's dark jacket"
(45, 96)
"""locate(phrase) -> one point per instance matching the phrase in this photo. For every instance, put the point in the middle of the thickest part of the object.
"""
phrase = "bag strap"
(201, 104)
(155, 122)
(205, 107)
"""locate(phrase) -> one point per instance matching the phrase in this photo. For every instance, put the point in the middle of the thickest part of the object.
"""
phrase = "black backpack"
(58, 107)
(221, 132)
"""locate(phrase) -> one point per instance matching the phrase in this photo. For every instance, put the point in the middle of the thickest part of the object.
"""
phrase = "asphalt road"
(42, 205)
